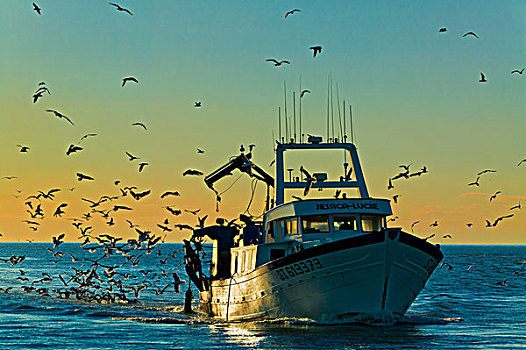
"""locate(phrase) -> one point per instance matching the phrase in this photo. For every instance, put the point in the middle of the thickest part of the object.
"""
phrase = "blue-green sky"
(414, 91)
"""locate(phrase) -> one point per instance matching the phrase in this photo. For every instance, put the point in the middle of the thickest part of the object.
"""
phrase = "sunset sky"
(415, 95)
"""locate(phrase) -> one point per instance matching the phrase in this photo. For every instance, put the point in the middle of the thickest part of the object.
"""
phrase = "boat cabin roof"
(372, 206)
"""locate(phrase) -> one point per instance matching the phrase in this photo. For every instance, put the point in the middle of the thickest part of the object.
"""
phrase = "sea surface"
(458, 309)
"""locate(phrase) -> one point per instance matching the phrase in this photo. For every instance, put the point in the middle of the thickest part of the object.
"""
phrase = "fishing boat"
(331, 259)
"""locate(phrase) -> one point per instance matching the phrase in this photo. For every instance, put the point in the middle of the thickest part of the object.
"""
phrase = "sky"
(415, 95)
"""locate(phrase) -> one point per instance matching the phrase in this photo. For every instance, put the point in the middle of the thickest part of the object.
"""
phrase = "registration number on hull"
(299, 268)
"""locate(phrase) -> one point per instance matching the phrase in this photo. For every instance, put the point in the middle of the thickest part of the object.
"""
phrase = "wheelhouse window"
(315, 224)
(289, 226)
(344, 223)
(270, 232)
(371, 223)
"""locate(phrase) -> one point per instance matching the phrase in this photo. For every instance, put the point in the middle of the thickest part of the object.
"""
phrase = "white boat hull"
(370, 278)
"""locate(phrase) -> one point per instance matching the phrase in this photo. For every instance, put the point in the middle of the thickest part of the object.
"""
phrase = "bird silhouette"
(482, 78)
(37, 95)
(493, 196)
(522, 161)
(390, 185)
(24, 149)
(470, 33)
(121, 8)
(37, 9)
(131, 157)
(142, 165)
(73, 149)
(276, 62)
(395, 198)
(125, 80)
(197, 104)
(200, 151)
(518, 71)
(170, 193)
(304, 92)
(487, 171)
(59, 211)
(442, 30)
(315, 50)
(291, 12)
(59, 115)
(140, 124)
(475, 183)
(86, 136)
(518, 206)
(192, 172)
(413, 225)
(84, 177)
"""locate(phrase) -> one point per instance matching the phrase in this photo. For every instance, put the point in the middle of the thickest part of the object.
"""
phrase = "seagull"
(291, 12)
(59, 115)
(501, 218)
(121, 8)
(23, 149)
(132, 157)
(429, 237)
(469, 224)
(37, 9)
(121, 207)
(192, 172)
(476, 183)
(434, 224)
(140, 124)
(276, 62)
(142, 165)
(200, 151)
(139, 195)
(502, 283)
(482, 78)
(84, 177)
(58, 240)
(170, 193)
(125, 80)
(447, 236)
(449, 267)
(413, 225)
(487, 171)
(197, 104)
(518, 206)
(470, 33)
(518, 71)
(304, 92)
(390, 185)
(522, 161)
(494, 196)
(85, 136)
(309, 180)
(73, 149)
(395, 198)
(315, 50)
(173, 211)
(37, 95)
(405, 167)
(442, 30)
(59, 211)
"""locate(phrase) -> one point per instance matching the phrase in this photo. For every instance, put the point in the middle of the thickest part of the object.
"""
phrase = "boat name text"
(347, 206)
(299, 268)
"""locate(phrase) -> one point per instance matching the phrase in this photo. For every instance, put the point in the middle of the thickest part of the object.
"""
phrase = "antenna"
(301, 135)
(286, 116)
(294, 112)
(332, 113)
(352, 130)
(328, 95)
(344, 128)
(340, 131)
(279, 124)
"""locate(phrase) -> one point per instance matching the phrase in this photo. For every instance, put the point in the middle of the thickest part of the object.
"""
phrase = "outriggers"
(325, 259)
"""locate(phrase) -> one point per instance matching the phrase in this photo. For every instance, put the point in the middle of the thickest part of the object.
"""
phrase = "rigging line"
(286, 116)
(301, 136)
(328, 94)
(253, 186)
(232, 184)
(332, 113)
(294, 112)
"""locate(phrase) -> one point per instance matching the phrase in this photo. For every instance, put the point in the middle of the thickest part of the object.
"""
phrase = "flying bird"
(140, 195)
(390, 185)
(470, 33)
(85, 136)
(132, 157)
(522, 161)
(476, 183)
(58, 240)
(192, 172)
(197, 104)
(494, 196)
(291, 12)
(518, 206)
(200, 151)
(170, 193)
(276, 62)
(487, 171)
(59, 115)
(59, 211)
(304, 92)
(315, 50)
(84, 177)
(125, 80)
(442, 30)
(140, 124)
(518, 71)
(37, 95)
(142, 165)
(434, 224)
(121, 8)
(23, 149)
(37, 9)
(73, 149)
(413, 225)
(395, 198)
(482, 78)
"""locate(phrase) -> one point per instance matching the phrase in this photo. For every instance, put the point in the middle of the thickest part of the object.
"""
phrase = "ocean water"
(458, 309)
